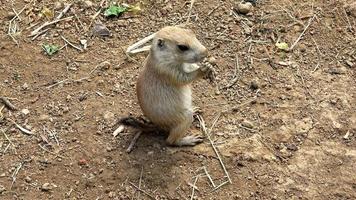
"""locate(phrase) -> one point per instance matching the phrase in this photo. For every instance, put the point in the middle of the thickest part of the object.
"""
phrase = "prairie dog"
(163, 87)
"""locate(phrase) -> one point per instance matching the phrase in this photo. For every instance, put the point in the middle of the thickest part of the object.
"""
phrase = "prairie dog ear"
(160, 43)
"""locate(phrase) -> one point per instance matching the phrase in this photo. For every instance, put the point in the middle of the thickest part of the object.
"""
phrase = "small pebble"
(351, 9)
(25, 111)
(88, 4)
(100, 30)
(349, 63)
(11, 15)
(104, 65)
(46, 187)
(244, 7)
(28, 179)
(247, 124)
(82, 162)
(254, 84)
(25, 86)
(212, 60)
(58, 5)
(2, 189)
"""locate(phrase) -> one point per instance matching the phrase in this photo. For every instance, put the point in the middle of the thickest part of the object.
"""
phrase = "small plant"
(50, 49)
(115, 11)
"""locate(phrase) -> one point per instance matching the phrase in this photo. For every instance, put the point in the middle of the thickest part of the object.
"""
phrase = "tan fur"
(163, 87)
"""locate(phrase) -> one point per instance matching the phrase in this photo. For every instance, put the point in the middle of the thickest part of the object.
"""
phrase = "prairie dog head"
(177, 45)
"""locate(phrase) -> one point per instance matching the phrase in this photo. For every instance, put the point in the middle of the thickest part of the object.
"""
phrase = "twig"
(219, 186)
(134, 46)
(71, 44)
(133, 141)
(22, 129)
(139, 182)
(301, 35)
(348, 20)
(8, 139)
(58, 19)
(14, 174)
(193, 186)
(209, 177)
(320, 54)
(48, 151)
(236, 78)
(141, 190)
(55, 84)
(190, 10)
(40, 33)
(202, 123)
(8, 104)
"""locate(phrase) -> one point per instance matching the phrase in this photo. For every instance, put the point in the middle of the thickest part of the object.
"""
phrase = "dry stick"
(139, 183)
(8, 104)
(40, 33)
(14, 174)
(22, 129)
(8, 139)
(190, 11)
(96, 14)
(55, 84)
(219, 186)
(141, 190)
(193, 186)
(320, 54)
(71, 44)
(58, 19)
(209, 177)
(301, 35)
(348, 20)
(202, 122)
(236, 78)
(133, 141)
(134, 46)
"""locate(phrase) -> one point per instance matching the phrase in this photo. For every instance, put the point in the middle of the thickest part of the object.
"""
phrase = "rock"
(82, 162)
(100, 30)
(46, 187)
(247, 124)
(28, 179)
(88, 4)
(254, 84)
(349, 63)
(244, 7)
(43, 117)
(212, 60)
(109, 116)
(351, 9)
(25, 86)
(2, 189)
(338, 70)
(58, 5)
(104, 65)
(25, 111)
(10, 15)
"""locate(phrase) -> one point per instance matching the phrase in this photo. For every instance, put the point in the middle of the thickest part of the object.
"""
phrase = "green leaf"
(114, 11)
(282, 45)
(50, 49)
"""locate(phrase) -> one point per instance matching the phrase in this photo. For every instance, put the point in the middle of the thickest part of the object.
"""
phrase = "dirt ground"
(286, 125)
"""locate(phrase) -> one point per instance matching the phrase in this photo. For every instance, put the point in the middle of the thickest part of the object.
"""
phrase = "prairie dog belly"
(164, 104)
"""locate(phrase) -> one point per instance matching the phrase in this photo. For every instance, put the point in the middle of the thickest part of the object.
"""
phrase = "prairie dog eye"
(183, 47)
(160, 43)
